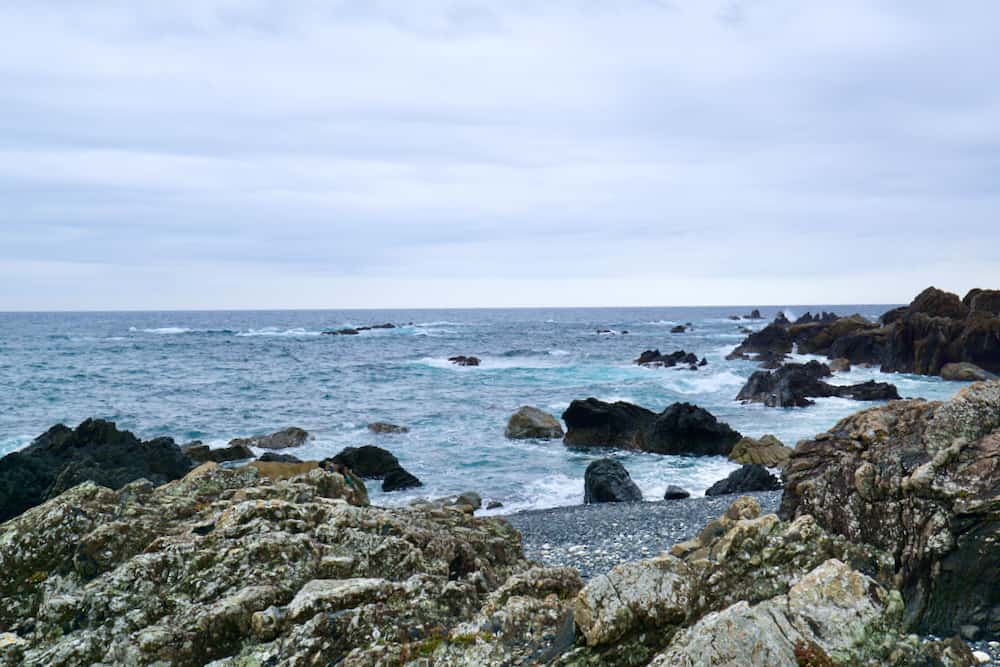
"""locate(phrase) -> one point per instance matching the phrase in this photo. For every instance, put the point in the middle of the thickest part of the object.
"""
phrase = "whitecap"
(164, 330)
(277, 331)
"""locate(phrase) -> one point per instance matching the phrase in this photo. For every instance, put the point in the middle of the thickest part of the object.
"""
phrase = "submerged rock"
(371, 462)
(94, 451)
(293, 436)
(462, 360)
(607, 481)
(681, 428)
(531, 422)
(920, 480)
(767, 451)
(746, 479)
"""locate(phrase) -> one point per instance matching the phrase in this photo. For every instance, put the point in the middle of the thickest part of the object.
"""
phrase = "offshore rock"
(371, 462)
(768, 451)
(293, 436)
(607, 481)
(96, 451)
(746, 479)
(531, 422)
(462, 360)
(681, 428)
(226, 565)
(793, 385)
(201, 453)
(655, 358)
(386, 427)
(920, 480)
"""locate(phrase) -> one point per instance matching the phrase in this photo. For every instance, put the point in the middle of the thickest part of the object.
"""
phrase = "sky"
(470, 153)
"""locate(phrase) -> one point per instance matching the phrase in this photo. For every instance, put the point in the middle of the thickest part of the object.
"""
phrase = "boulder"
(918, 479)
(681, 428)
(793, 385)
(200, 453)
(654, 358)
(674, 492)
(94, 451)
(462, 360)
(966, 372)
(607, 481)
(386, 427)
(768, 451)
(293, 436)
(773, 339)
(371, 462)
(530, 422)
(746, 479)
(840, 365)
(272, 457)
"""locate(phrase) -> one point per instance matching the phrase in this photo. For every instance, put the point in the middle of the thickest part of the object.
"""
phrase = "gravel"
(595, 538)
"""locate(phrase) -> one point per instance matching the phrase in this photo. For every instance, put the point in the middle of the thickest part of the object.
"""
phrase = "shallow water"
(218, 375)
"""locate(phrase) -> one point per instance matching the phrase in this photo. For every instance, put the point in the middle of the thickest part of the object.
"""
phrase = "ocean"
(214, 376)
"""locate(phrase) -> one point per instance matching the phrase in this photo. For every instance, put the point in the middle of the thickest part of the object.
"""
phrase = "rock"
(347, 331)
(386, 427)
(292, 436)
(680, 328)
(227, 567)
(654, 358)
(681, 428)
(607, 481)
(768, 451)
(530, 422)
(280, 470)
(746, 479)
(494, 504)
(983, 301)
(793, 385)
(462, 360)
(965, 371)
(674, 492)
(272, 457)
(200, 453)
(917, 479)
(938, 303)
(773, 339)
(840, 365)
(94, 451)
(371, 462)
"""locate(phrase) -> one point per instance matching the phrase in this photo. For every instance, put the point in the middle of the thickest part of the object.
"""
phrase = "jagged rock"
(95, 450)
(965, 371)
(681, 428)
(226, 565)
(274, 457)
(386, 427)
(293, 436)
(767, 451)
(793, 385)
(607, 481)
(200, 453)
(674, 492)
(773, 339)
(530, 422)
(654, 358)
(746, 479)
(840, 365)
(983, 301)
(918, 479)
(462, 360)
(371, 462)
(938, 303)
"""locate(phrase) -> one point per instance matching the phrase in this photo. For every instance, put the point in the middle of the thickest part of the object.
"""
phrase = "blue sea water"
(217, 375)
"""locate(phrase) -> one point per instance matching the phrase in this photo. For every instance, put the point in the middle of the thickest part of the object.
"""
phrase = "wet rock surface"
(371, 462)
(293, 436)
(531, 422)
(750, 477)
(607, 481)
(793, 385)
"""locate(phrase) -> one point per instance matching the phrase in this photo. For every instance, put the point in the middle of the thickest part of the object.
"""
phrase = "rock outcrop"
(654, 358)
(675, 492)
(681, 428)
(387, 428)
(293, 436)
(462, 360)
(793, 385)
(530, 422)
(964, 371)
(229, 566)
(607, 481)
(920, 480)
(767, 451)
(371, 462)
(93, 451)
(202, 453)
(745, 479)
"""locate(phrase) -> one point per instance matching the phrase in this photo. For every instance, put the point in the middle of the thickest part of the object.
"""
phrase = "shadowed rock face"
(681, 428)
(793, 385)
(920, 480)
(371, 462)
(607, 481)
(293, 436)
(96, 451)
(748, 478)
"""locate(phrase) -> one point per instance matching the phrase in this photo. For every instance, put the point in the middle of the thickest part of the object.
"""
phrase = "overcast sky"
(272, 154)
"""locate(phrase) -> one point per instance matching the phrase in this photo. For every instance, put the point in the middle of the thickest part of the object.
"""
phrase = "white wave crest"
(277, 331)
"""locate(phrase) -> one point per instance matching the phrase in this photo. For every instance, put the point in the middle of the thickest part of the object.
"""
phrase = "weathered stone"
(607, 481)
(292, 436)
(767, 451)
(201, 453)
(386, 427)
(674, 492)
(964, 371)
(371, 462)
(531, 422)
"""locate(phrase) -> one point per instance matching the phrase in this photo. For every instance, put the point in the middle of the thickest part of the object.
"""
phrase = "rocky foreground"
(888, 532)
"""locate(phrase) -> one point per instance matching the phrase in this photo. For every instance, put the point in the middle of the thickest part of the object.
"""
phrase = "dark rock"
(272, 457)
(918, 479)
(773, 339)
(675, 493)
(607, 481)
(868, 391)
(680, 328)
(750, 477)
(200, 453)
(781, 319)
(755, 315)
(793, 385)
(371, 462)
(890, 316)
(293, 436)
(983, 301)
(654, 358)
(494, 504)
(682, 428)
(703, 362)
(96, 451)
(938, 303)
(840, 365)
(386, 427)
(462, 360)
(347, 331)
(529, 422)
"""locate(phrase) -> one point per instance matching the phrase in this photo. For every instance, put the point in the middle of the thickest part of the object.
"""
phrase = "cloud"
(565, 153)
